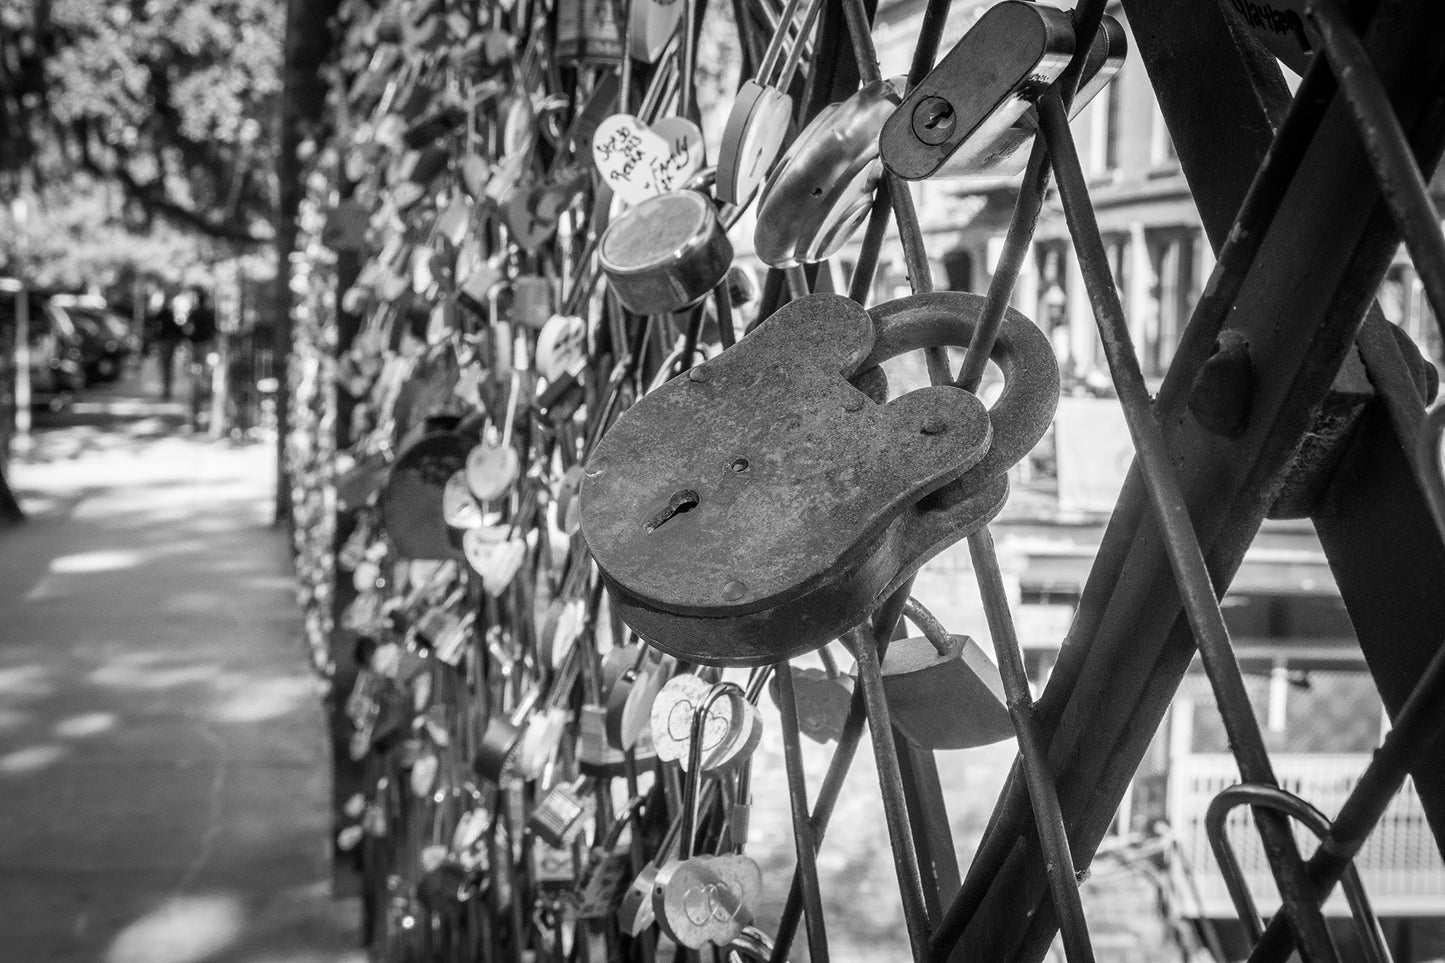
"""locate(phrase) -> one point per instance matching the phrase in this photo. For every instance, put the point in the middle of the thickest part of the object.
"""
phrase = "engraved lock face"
(744, 512)
(639, 161)
(822, 189)
(949, 700)
(707, 899)
(730, 734)
(666, 253)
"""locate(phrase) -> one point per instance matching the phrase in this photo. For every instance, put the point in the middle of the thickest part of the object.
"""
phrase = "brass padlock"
(666, 253)
(740, 518)
(943, 690)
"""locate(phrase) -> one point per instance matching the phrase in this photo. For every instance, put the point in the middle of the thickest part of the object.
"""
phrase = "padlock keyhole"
(680, 503)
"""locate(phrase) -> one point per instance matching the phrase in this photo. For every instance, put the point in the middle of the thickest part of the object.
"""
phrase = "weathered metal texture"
(1300, 306)
(805, 499)
(1387, 557)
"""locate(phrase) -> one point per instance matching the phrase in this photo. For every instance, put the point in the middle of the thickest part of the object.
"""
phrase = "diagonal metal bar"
(1186, 560)
(1401, 182)
(805, 841)
(1049, 819)
(1087, 17)
(1130, 646)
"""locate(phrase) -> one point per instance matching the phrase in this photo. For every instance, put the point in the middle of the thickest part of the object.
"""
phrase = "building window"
(1113, 118)
(1172, 257)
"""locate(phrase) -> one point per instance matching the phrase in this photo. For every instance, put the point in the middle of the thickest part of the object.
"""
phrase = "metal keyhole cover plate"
(798, 475)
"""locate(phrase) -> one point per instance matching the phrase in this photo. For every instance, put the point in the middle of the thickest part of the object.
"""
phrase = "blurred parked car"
(106, 340)
(56, 359)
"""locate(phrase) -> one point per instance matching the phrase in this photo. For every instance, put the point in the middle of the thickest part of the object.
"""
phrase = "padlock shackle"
(1030, 396)
(721, 690)
(927, 623)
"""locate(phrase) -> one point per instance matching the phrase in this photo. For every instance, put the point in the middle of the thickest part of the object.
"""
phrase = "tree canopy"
(142, 118)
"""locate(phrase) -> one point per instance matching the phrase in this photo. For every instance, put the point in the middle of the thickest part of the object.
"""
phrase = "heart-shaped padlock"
(492, 468)
(699, 900)
(638, 161)
(762, 505)
(650, 25)
(823, 701)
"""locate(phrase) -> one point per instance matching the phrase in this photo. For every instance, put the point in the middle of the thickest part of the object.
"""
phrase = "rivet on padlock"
(729, 552)
(943, 690)
(666, 253)
(699, 900)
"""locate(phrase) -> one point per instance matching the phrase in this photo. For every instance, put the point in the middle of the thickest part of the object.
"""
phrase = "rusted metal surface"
(804, 498)
(1300, 306)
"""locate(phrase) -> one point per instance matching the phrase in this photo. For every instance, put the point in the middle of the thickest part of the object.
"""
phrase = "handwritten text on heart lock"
(639, 162)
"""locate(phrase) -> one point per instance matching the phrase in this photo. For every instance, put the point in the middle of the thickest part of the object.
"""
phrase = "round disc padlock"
(666, 253)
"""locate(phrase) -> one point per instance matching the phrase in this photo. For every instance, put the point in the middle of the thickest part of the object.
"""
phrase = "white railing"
(1400, 864)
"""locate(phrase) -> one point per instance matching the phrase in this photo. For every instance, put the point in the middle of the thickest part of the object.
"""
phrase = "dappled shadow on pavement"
(163, 770)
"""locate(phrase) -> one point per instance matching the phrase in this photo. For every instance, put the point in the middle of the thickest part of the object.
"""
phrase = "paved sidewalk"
(163, 770)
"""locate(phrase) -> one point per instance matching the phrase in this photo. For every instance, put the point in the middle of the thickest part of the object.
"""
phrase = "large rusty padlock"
(762, 505)
(972, 115)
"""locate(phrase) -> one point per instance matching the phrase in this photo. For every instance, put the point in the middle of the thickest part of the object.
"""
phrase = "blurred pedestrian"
(201, 324)
(167, 333)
